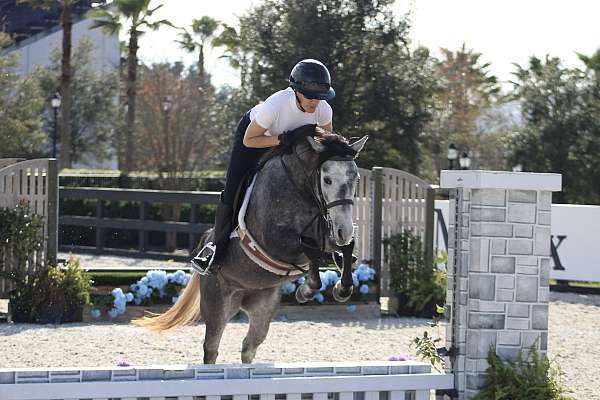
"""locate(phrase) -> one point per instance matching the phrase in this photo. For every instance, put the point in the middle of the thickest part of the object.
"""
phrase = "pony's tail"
(185, 312)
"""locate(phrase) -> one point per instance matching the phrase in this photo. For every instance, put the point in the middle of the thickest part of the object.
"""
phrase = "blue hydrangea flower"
(332, 277)
(354, 279)
(143, 289)
(129, 297)
(137, 301)
(319, 297)
(301, 280)
(113, 312)
(323, 286)
(364, 289)
(288, 288)
(95, 313)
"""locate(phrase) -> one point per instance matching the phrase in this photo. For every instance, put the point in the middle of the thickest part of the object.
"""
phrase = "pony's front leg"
(307, 290)
(344, 287)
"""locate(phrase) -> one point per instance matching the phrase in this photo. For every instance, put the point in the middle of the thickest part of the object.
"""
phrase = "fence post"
(194, 216)
(429, 226)
(52, 181)
(376, 239)
(99, 230)
(498, 268)
(143, 234)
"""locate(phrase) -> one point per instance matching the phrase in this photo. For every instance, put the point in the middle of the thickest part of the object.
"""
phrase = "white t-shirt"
(279, 113)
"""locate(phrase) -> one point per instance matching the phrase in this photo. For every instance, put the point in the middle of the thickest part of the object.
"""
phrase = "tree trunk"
(201, 64)
(131, 94)
(65, 87)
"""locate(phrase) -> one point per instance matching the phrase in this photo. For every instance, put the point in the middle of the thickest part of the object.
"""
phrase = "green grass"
(581, 284)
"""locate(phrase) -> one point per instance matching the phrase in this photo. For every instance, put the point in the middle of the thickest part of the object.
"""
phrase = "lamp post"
(55, 103)
(167, 102)
(464, 161)
(452, 155)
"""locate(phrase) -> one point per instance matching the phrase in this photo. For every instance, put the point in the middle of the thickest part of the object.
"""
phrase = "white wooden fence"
(389, 201)
(405, 380)
(34, 181)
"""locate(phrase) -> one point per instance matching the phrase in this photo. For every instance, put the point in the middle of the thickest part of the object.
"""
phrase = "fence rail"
(343, 381)
(36, 182)
(121, 181)
(143, 225)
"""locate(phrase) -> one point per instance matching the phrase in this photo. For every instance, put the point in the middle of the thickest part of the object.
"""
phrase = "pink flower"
(123, 363)
(400, 357)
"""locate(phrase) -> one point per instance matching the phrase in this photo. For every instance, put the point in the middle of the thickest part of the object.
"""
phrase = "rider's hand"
(288, 138)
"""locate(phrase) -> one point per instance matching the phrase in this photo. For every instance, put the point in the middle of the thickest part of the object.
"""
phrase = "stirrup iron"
(202, 262)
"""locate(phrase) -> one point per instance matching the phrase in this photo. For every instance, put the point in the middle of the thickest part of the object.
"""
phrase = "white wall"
(575, 241)
(105, 56)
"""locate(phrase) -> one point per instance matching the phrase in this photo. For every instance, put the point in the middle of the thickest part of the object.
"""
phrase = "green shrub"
(20, 236)
(537, 379)
(52, 295)
(419, 287)
(40, 293)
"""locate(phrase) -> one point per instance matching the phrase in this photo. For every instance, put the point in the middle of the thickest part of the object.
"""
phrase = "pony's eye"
(327, 181)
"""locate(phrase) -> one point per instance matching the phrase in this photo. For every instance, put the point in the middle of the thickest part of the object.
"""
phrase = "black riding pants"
(243, 161)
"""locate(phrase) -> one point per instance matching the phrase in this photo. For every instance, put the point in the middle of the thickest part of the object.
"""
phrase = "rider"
(270, 123)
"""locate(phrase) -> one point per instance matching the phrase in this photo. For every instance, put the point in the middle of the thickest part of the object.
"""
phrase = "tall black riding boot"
(215, 249)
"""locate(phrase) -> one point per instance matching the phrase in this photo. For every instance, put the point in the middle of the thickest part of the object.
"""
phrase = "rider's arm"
(255, 137)
(328, 127)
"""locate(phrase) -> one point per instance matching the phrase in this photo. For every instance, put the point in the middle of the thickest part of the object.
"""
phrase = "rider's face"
(309, 105)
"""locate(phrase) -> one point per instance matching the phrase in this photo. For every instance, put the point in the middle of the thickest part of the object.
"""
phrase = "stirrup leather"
(202, 262)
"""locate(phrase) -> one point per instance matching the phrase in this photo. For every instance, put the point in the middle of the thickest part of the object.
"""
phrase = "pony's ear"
(359, 144)
(318, 147)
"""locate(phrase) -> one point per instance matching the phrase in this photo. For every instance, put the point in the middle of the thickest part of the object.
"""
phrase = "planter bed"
(285, 313)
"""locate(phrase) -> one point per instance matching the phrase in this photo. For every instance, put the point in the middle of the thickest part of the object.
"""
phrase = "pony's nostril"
(340, 234)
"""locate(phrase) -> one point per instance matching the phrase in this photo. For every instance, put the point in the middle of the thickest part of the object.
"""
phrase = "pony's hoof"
(303, 293)
(340, 293)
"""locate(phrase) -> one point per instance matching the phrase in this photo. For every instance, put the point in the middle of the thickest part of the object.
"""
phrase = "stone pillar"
(498, 268)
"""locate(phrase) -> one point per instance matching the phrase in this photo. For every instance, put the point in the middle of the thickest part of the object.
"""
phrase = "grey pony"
(275, 216)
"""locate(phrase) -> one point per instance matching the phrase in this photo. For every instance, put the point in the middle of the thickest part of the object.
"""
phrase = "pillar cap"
(475, 179)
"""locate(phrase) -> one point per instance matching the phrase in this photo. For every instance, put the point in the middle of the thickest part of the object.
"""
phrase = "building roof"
(22, 21)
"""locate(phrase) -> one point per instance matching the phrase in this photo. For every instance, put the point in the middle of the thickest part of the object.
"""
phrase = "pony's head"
(337, 177)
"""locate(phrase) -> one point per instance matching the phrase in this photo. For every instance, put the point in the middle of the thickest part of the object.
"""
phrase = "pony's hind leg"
(218, 306)
(260, 307)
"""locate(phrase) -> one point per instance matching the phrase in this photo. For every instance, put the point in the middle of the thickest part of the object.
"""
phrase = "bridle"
(312, 180)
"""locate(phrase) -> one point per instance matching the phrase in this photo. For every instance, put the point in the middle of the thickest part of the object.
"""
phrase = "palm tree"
(232, 42)
(137, 13)
(66, 22)
(204, 28)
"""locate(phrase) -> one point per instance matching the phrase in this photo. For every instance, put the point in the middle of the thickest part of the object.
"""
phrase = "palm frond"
(106, 21)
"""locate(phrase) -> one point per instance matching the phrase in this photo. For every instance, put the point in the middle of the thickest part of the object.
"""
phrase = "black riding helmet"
(311, 78)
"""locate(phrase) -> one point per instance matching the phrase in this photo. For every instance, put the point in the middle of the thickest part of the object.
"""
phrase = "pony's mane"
(335, 144)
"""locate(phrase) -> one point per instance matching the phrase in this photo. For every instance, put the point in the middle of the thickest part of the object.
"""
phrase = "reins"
(314, 180)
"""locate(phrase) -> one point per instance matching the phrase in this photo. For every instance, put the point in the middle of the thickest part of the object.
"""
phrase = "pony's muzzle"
(343, 234)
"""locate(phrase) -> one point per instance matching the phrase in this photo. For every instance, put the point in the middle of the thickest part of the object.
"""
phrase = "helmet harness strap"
(298, 101)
